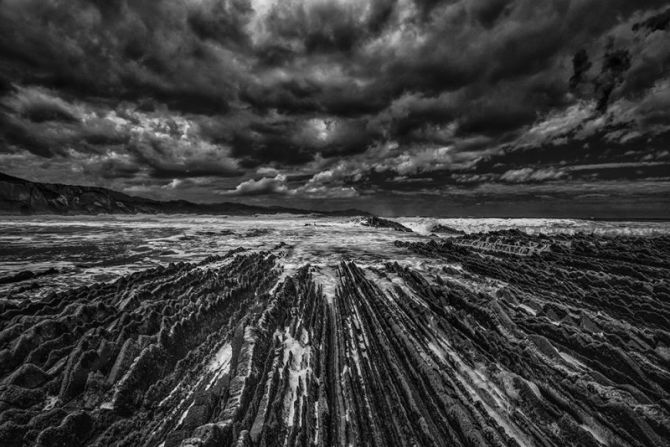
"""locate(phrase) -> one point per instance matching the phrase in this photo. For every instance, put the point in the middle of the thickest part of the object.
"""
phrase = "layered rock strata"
(471, 346)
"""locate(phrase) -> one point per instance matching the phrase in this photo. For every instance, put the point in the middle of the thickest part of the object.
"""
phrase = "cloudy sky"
(472, 107)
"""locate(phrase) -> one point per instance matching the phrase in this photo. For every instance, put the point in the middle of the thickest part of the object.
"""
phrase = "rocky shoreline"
(497, 339)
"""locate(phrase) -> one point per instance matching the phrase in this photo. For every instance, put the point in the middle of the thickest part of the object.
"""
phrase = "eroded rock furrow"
(501, 339)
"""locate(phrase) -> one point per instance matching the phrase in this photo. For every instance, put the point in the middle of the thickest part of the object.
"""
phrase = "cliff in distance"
(19, 196)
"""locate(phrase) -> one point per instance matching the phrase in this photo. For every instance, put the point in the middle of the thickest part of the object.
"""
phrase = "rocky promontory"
(378, 222)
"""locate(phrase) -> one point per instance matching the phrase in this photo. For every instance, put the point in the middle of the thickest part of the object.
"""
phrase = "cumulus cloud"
(267, 171)
(175, 183)
(264, 185)
(325, 184)
(529, 175)
(115, 142)
(38, 105)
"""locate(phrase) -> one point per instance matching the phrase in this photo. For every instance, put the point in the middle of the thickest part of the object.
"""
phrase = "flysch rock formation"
(473, 346)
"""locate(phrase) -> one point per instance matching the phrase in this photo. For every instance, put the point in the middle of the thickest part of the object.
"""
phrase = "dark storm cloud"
(109, 142)
(124, 49)
(343, 94)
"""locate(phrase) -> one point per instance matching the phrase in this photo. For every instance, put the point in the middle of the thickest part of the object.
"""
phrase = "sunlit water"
(87, 249)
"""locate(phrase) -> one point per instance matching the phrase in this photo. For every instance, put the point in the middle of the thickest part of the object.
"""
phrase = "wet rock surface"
(378, 222)
(25, 276)
(446, 230)
(488, 339)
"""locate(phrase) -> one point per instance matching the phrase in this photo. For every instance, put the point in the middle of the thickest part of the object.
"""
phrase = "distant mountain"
(19, 196)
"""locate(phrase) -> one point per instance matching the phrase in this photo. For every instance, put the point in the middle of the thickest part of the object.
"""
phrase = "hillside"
(25, 197)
